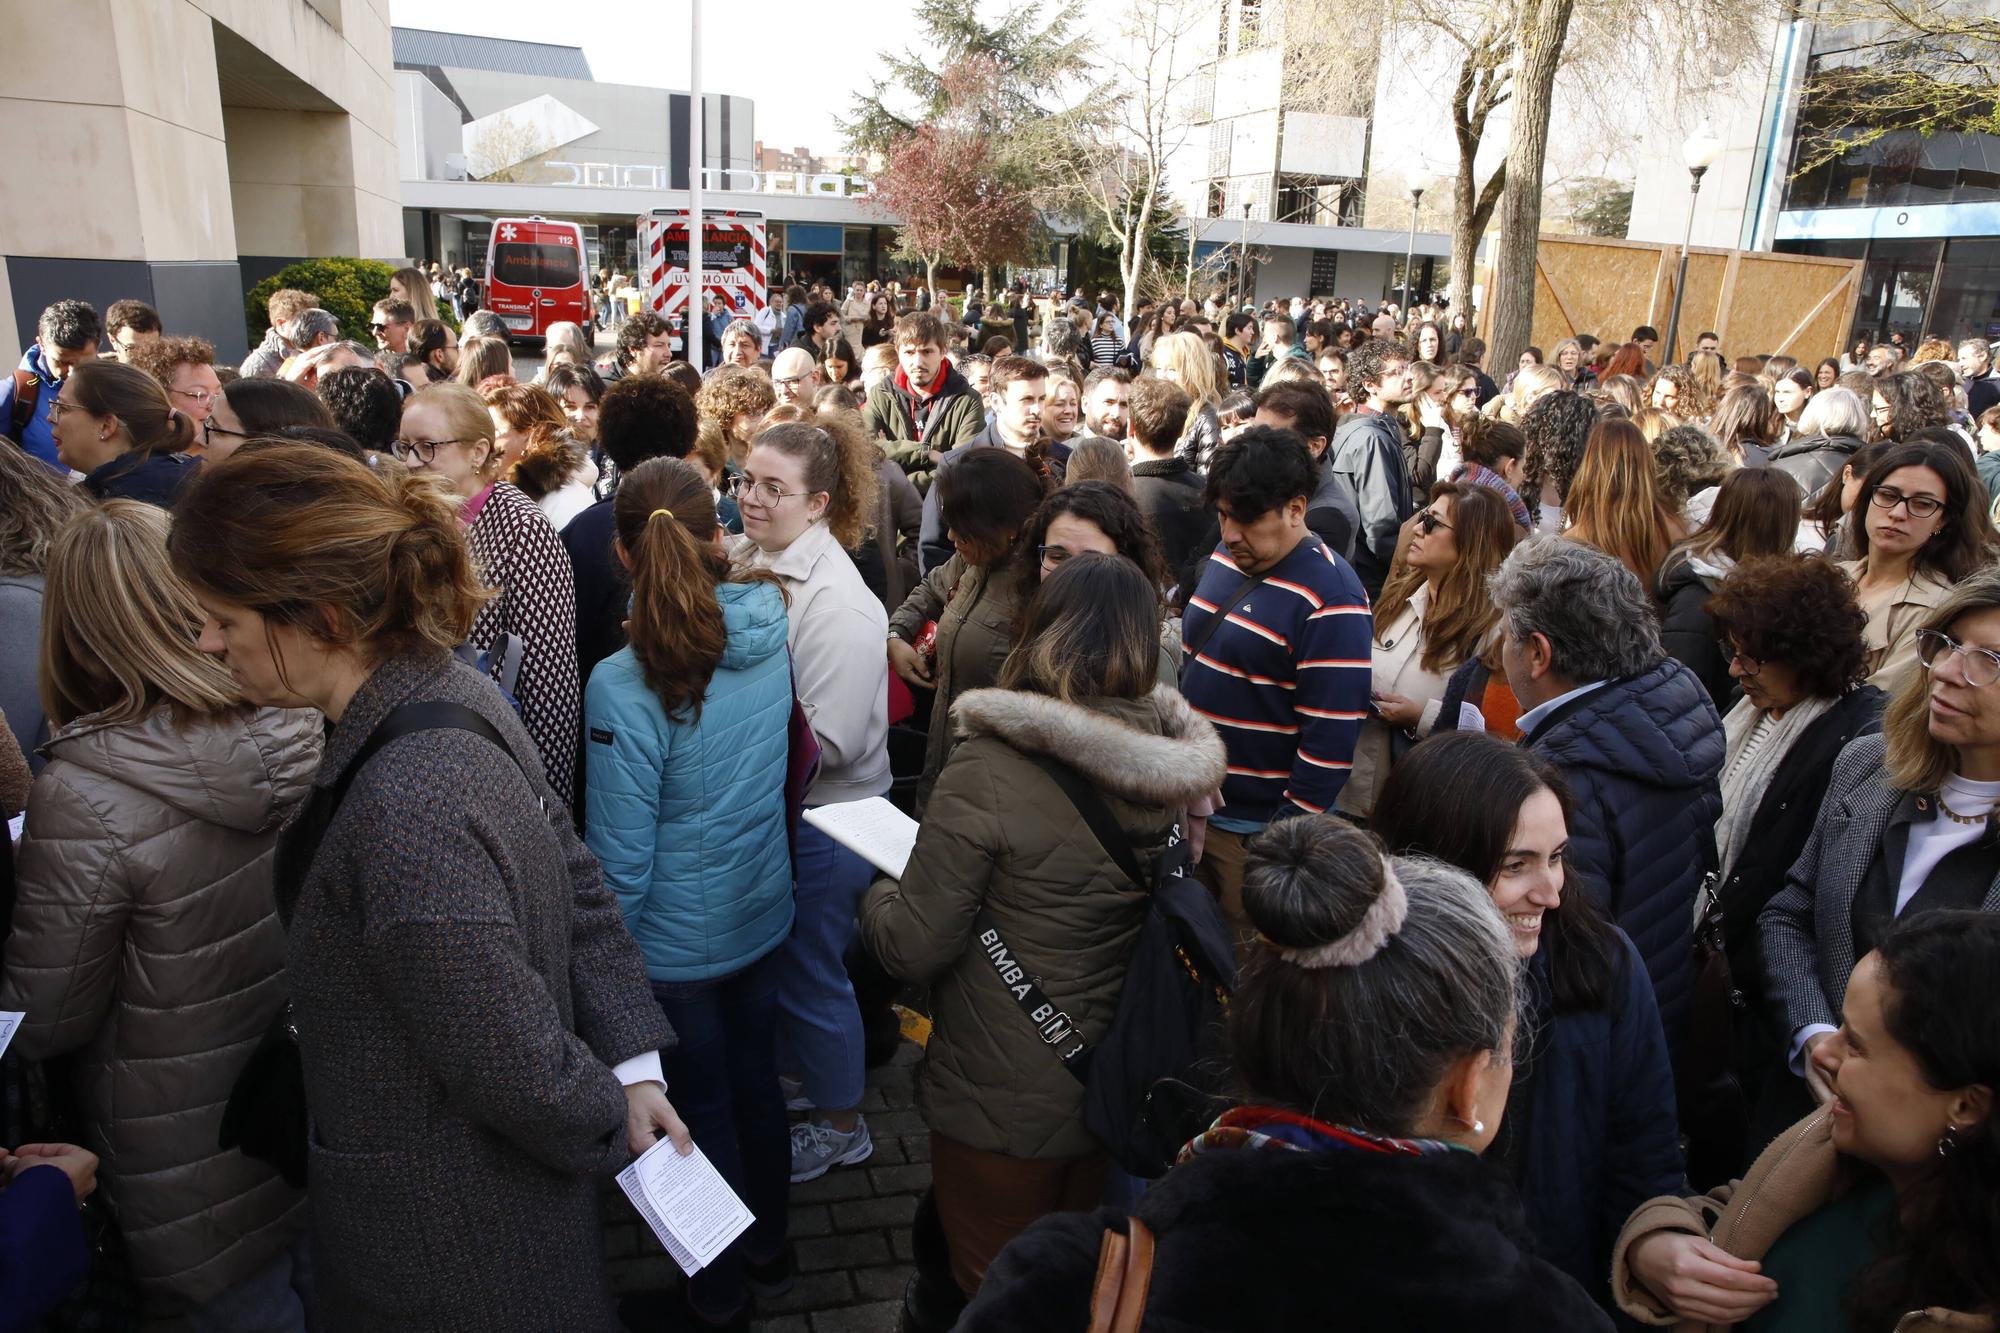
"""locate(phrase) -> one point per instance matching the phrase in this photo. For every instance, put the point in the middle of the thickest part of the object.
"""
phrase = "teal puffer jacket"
(688, 817)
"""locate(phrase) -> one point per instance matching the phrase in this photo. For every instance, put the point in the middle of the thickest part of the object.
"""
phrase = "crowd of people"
(1590, 776)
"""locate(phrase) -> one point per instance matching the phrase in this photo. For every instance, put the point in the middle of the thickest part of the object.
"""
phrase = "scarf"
(1743, 783)
(1265, 1127)
(1478, 474)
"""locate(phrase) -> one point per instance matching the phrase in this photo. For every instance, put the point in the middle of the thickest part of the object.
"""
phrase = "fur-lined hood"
(1155, 750)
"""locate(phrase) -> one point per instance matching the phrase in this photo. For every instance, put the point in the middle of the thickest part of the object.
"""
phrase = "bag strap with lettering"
(1124, 1275)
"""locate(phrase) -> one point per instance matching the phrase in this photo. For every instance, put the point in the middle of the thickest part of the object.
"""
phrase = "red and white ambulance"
(536, 276)
(732, 265)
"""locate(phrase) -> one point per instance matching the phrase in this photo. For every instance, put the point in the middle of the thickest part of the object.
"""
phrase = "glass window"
(1895, 289)
(519, 264)
(1968, 304)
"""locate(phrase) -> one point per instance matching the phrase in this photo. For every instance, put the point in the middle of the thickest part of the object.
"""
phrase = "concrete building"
(179, 151)
(1922, 214)
(1284, 185)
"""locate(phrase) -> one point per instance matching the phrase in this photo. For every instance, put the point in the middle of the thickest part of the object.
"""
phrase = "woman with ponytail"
(479, 1045)
(688, 728)
(807, 491)
(113, 423)
(1373, 1030)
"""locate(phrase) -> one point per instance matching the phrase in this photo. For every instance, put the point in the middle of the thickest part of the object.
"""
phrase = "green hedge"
(349, 288)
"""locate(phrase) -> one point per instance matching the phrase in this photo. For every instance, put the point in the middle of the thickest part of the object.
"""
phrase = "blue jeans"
(722, 1077)
(821, 1033)
(271, 1300)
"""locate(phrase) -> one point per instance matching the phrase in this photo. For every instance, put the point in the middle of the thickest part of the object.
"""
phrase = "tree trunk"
(1538, 50)
(1469, 217)
(930, 279)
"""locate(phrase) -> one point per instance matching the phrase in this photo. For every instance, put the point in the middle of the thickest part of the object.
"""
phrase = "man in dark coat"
(1635, 734)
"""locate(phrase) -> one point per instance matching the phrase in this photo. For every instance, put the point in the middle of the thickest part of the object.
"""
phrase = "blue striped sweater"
(1285, 679)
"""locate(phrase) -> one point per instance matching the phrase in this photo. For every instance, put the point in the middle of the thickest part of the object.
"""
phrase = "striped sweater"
(1285, 679)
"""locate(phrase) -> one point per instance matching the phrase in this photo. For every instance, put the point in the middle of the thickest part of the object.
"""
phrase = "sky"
(801, 61)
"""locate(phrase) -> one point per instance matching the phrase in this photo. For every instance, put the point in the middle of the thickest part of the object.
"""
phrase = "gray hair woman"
(1829, 430)
(1373, 1031)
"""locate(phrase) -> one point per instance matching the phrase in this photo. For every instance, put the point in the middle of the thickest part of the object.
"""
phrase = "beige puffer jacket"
(147, 940)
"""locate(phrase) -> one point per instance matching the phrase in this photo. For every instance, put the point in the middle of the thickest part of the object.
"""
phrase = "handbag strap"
(1103, 824)
(424, 715)
(1124, 1276)
(1200, 641)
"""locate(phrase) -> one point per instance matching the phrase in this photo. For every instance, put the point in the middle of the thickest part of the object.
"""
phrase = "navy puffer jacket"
(1642, 756)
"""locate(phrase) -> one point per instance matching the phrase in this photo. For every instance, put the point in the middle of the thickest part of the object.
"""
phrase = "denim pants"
(821, 1032)
(722, 1077)
(271, 1300)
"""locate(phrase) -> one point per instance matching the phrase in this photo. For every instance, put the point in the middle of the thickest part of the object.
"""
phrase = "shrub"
(348, 288)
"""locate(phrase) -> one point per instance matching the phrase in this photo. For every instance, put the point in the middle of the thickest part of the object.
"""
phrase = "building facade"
(180, 151)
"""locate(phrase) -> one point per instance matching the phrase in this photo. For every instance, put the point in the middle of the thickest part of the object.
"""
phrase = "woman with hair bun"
(1349, 1176)
(113, 423)
(480, 1050)
(807, 491)
(688, 728)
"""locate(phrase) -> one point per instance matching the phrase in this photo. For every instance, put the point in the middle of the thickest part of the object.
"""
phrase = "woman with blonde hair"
(470, 1009)
(539, 452)
(1706, 374)
(1668, 389)
(113, 423)
(807, 492)
(483, 359)
(144, 925)
(736, 398)
(1747, 424)
(447, 434)
(1614, 504)
(410, 284)
(1434, 615)
(1531, 385)
(1183, 358)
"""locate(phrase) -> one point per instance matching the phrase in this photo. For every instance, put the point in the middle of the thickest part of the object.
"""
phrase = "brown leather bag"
(1124, 1272)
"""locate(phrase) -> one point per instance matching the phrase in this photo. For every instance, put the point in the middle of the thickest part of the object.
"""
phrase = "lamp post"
(1418, 184)
(1699, 153)
(1243, 259)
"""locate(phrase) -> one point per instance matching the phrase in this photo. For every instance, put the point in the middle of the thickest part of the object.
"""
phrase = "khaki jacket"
(146, 940)
(1000, 834)
(1890, 638)
(974, 608)
(1789, 1180)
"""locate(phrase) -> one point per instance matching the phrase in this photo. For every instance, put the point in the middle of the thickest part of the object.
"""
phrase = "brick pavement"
(851, 1226)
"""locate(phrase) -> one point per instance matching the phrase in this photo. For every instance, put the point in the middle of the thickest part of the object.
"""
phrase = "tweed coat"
(462, 983)
(1806, 932)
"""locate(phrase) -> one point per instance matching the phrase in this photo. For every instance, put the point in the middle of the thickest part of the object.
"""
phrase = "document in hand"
(873, 829)
(687, 1203)
(10, 1023)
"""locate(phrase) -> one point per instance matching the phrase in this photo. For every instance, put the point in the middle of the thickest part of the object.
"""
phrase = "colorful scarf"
(1268, 1127)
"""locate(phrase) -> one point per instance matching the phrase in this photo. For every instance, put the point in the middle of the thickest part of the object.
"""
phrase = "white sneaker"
(795, 1094)
(818, 1147)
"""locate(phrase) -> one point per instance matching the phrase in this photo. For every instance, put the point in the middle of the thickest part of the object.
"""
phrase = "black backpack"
(1153, 1080)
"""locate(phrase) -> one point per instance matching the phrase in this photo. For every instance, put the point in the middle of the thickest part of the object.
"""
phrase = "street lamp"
(1699, 153)
(1418, 184)
(1243, 259)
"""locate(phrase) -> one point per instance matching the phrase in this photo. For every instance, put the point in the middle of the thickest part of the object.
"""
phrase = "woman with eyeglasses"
(448, 433)
(1093, 516)
(1434, 615)
(807, 493)
(1906, 825)
(963, 613)
(1791, 634)
(114, 424)
(1922, 526)
(247, 408)
(687, 729)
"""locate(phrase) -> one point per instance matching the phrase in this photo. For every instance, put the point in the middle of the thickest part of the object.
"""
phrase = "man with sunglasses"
(391, 324)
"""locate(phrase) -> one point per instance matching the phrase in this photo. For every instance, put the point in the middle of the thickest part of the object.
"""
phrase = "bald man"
(795, 375)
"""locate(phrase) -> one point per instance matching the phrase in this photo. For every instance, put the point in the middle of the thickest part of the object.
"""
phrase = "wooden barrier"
(1787, 305)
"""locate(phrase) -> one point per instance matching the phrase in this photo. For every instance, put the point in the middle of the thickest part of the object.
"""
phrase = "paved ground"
(852, 1226)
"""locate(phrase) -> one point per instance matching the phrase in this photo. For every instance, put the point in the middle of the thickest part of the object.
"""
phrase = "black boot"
(932, 1301)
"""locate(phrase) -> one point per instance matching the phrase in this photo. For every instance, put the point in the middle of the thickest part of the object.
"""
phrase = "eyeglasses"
(209, 430)
(1733, 656)
(1051, 556)
(1886, 498)
(1428, 522)
(1469, 391)
(423, 450)
(787, 381)
(201, 396)
(57, 407)
(1980, 665)
(766, 493)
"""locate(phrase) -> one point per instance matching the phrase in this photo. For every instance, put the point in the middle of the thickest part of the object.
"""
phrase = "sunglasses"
(1428, 522)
